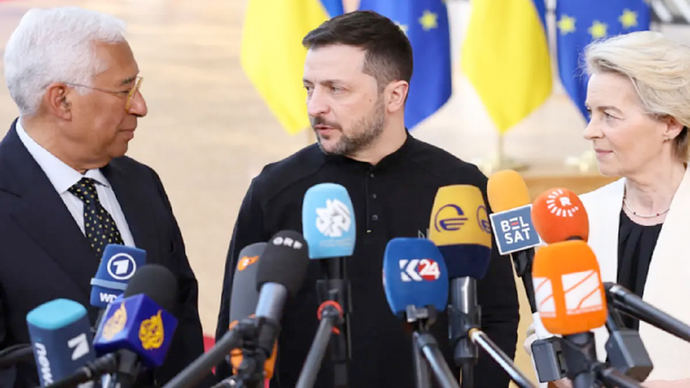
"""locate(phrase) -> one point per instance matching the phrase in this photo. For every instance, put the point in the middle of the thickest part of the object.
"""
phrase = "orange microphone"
(512, 224)
(568, 289)
(559, 215)
(571, 302)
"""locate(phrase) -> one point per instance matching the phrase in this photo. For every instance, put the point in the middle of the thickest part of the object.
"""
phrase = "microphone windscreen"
(414, 273)
(328, 221)
(116, 268)
(568, 289)
(61, 338)
(506, 190)
(284, 261)
(139, 324)
(156, 282)
(460, 228)
(244, 295)
(559, 215)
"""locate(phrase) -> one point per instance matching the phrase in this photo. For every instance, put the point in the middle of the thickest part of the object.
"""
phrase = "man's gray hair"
(55, 45)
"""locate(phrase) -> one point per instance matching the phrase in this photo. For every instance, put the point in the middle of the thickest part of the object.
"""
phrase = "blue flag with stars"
(425, 22)
(579, 22)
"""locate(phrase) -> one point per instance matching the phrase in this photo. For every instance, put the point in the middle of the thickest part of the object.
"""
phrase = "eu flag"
(579, 22)
(426, 24)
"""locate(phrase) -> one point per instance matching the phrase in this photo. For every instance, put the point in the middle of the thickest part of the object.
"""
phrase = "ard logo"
(115, 323)
(151, 332)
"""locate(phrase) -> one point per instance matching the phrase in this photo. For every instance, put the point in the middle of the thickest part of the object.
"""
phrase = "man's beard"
(365, 130)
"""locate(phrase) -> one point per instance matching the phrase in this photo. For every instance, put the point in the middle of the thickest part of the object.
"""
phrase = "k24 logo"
(419, 270)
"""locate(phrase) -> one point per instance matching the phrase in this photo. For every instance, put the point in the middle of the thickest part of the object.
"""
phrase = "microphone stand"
(330, 314)
(255, 351)
(425, 346)
(464, 313)
(625, 350)
(583, 367)
(464, 316)
(336, 288)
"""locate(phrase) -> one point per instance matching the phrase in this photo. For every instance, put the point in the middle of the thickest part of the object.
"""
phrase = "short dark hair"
(388, 54)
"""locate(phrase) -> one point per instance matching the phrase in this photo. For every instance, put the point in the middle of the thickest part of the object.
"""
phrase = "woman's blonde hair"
(659, 69)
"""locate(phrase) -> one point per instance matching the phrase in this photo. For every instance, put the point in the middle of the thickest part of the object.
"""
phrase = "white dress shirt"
(63, 177)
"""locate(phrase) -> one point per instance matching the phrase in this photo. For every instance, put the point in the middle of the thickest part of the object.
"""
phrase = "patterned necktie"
(99, 226)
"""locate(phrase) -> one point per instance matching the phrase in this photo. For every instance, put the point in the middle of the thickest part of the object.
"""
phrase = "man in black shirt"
(357, 74)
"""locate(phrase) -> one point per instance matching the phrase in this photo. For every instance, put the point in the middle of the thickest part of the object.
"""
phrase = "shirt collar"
(61, 176)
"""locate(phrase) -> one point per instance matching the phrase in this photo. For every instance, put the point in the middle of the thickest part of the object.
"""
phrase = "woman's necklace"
(636, 214)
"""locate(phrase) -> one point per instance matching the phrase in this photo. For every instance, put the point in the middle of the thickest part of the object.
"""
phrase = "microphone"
(631, 304)
(415, 280)
(559, 215)
(328, 224)
(571, 302)
(460, 227)
(61, 338)
(281, 271)
(136, 328)
(244, 297)
(512, 224)
(16, 353)
(116, 268)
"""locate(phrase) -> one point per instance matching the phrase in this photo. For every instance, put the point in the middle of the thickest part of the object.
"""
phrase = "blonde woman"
(639, 99)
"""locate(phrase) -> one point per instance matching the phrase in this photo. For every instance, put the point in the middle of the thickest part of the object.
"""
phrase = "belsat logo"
(419, 270)
(121, 266)
(449, 217)
(246, 261)
(559, 203)
(334, 219)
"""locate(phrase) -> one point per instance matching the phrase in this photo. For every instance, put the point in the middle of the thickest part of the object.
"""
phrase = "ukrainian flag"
(272, 54)
(506, 57)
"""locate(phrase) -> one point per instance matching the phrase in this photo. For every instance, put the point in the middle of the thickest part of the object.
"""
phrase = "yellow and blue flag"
(579, 22)
(506, 58)
(272, 54)
(426, 24)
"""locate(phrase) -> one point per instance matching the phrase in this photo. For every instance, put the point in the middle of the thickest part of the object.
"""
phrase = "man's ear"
(56, 100)
(396, 93)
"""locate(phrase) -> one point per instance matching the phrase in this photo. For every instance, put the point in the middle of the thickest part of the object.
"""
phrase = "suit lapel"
(41, 213)
(136, 209)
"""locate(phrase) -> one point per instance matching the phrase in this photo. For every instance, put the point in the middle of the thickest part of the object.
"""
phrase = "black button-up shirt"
(391, 199)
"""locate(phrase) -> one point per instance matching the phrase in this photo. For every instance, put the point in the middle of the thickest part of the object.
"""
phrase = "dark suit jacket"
(44, 255)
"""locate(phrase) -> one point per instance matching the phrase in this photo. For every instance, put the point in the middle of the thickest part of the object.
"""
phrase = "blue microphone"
(328, 221)
(61, 337)
(117, 266)
(328, 226)
(415, 279)
(137, 322)
(414, 274)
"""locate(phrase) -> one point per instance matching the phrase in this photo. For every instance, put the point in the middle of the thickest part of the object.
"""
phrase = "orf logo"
(449, 217)
(417, 270)
(334, 219)
(559, 203)
(121, 266)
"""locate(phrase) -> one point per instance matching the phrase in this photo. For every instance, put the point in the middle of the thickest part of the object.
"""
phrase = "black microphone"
(631, 304)
(14, 354)
(280, 274)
